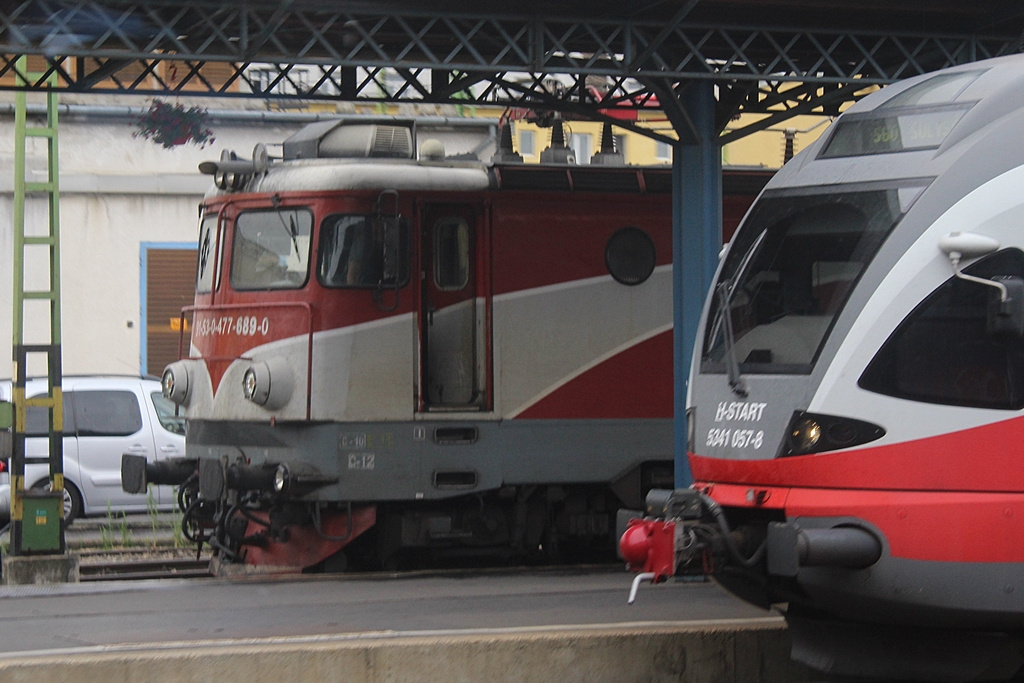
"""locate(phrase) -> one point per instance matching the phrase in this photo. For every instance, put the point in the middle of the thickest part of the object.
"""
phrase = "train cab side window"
(352, 253)
(270, 249)
(942, 352)
(209, 255)
(451, 253)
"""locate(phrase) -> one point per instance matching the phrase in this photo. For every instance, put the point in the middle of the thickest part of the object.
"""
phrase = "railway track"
(140, 563)
(123, 566)
(144, 569)
(156, 555)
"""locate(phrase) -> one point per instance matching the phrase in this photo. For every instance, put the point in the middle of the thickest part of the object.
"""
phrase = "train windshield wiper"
(294, 232)
(723, 318)
(732, 366)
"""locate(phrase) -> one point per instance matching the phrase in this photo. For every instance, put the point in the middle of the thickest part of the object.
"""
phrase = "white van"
(104, 416)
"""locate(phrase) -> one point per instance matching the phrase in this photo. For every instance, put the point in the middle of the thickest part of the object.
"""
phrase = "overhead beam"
(422, 38)
(406, 53)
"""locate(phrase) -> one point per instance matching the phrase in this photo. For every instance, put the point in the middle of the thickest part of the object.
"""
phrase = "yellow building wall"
(765, 149)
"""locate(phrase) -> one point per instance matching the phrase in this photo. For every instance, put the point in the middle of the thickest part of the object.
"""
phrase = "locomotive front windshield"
(271, 249)
(789, 272)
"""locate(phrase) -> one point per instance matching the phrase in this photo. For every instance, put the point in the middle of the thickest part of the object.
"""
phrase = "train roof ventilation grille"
(391, 142)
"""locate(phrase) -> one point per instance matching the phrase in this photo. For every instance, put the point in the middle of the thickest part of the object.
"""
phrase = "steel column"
(696, 242)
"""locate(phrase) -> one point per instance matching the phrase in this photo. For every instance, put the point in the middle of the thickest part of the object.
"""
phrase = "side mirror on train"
(1005, 314)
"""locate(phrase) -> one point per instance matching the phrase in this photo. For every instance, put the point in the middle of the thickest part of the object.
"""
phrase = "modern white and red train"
(395, 352)
(855, 402)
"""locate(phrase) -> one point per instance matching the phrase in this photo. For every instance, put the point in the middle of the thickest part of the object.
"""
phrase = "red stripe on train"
(636, 383)
(934, 526)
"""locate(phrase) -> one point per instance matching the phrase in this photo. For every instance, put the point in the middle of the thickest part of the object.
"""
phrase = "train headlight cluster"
(176, 383)
(804, 435)
(268, 383)
(810, 433)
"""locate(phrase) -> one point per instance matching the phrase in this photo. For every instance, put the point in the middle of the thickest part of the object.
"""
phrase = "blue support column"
(696, 242)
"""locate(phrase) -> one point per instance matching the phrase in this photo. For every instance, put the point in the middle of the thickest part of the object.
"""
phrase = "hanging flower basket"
(172, 124)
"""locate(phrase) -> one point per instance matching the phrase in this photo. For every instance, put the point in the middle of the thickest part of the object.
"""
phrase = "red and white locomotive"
(856, 396)
(450, 355)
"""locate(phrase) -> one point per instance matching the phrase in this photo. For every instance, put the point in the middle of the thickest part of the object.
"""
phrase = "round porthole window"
(630, 256)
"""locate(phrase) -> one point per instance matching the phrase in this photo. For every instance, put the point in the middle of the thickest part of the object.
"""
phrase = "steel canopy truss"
(385, 52)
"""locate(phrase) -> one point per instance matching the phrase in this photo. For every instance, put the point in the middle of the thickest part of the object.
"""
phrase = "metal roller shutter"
(170, 286)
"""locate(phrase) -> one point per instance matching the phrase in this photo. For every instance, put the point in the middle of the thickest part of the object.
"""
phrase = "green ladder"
(37, 520)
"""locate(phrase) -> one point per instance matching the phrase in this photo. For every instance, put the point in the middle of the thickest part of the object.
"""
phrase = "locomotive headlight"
(816, 433)
(281, 478)
(249, 385)
(256, 384)
(268, 383)
(805, 435)
(176, 383)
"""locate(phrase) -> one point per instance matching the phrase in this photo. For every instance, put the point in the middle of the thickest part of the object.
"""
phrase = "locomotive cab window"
(208, 256)
(271, 249)
(944, 352)
(352, 252)
(451, 253)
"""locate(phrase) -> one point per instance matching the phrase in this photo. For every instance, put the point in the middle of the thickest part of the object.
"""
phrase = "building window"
(527, 143)
(267, 81)
(582, 147)
(662, 151)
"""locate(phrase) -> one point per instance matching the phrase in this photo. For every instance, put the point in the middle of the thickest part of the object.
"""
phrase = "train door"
(454, 349)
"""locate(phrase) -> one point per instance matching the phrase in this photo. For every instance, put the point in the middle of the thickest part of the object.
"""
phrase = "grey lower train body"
(512, 485)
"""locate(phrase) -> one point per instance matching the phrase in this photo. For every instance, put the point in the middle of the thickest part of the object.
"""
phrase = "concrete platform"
(39, 569)
(494, 626)
(738, 651)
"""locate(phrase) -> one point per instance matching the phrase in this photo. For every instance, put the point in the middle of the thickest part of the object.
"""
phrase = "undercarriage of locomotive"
(255, 516)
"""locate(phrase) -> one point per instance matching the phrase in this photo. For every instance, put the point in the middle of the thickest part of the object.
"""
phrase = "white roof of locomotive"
(366, 174)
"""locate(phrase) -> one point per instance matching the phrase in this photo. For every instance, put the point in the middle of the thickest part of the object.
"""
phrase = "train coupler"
(682, 533)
